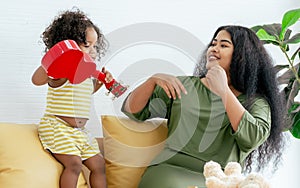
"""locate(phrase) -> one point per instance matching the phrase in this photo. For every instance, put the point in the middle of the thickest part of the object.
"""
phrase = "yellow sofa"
(128, 148)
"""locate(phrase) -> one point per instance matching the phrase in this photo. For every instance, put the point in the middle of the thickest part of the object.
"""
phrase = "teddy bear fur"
(254, 180)
(231, 177)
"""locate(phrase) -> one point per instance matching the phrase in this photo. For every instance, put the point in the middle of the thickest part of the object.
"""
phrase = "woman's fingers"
(217, 80)
(167, 90)
(176, 88)
(172, 88)
(171, 85)
(180, 87)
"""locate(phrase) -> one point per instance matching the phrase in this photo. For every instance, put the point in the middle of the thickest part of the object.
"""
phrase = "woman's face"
(91, 42)
(221, 50)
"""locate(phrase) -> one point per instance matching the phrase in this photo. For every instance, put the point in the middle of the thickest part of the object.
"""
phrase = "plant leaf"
(278, 68)
(256, 28)
(295, 129)
(295, 107)
(289, 18)
(288, 75)
(272, 29)
(296, 110)
(294, 55)
(287, 34)
(292, 112)
(293, 93)
(285, 77)
(263, 35)
(294, 40)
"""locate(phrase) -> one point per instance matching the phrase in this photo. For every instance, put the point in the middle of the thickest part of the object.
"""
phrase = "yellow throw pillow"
(23, 161)
(129, 146)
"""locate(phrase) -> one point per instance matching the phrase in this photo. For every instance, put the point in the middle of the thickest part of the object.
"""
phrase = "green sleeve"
(254, 127)
(158, 106)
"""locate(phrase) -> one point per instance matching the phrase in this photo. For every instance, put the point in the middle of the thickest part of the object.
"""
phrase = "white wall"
(145, 36)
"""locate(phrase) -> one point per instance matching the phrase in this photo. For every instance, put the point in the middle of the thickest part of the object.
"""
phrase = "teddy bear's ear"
(212, 165)
(212, 168)
(233, 168)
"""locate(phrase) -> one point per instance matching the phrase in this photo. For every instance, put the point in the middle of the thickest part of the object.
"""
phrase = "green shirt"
(199, 127)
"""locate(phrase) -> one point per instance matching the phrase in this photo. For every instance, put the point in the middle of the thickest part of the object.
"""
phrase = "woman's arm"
(139, 97)
(218, 83)
(234, 109)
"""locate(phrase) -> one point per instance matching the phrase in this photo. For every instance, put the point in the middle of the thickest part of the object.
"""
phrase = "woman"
(230, 111)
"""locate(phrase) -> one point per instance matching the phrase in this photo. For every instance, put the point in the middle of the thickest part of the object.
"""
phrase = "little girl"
(62, 128)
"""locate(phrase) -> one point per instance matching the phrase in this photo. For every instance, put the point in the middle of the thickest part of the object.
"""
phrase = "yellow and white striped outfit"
(71, 100)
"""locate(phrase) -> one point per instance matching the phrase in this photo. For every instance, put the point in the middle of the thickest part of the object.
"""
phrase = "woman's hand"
(217, 79)
(139, 97)
(170, 84)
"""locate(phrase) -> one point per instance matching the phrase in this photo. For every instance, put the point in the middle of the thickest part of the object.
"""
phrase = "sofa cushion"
(129, 147)
(23, 161)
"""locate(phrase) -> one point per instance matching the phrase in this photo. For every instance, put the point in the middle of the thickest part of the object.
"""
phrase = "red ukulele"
(66, 60)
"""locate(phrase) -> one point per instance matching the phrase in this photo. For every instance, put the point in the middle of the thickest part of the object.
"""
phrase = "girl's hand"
(170, 84)
(108, 78)
(108, 75)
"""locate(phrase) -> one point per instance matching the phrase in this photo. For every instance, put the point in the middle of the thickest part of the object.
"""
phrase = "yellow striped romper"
(71, 100)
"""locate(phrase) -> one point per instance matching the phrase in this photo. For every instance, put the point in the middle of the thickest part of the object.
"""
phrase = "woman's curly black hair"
(252, 73)
(72, 25)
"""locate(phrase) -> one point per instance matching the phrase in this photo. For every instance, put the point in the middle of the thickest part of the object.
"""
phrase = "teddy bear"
(231, 177)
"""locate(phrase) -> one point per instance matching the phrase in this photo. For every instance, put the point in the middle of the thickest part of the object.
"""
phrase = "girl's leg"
(72, 168)
(96, 165)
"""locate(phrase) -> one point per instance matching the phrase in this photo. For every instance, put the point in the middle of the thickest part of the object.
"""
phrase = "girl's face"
(91, 42)
(221, 50)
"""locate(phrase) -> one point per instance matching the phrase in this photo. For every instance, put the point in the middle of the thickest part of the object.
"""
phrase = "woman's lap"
(170, 176)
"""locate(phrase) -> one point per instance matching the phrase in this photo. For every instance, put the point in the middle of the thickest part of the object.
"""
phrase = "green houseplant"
(280, 35)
